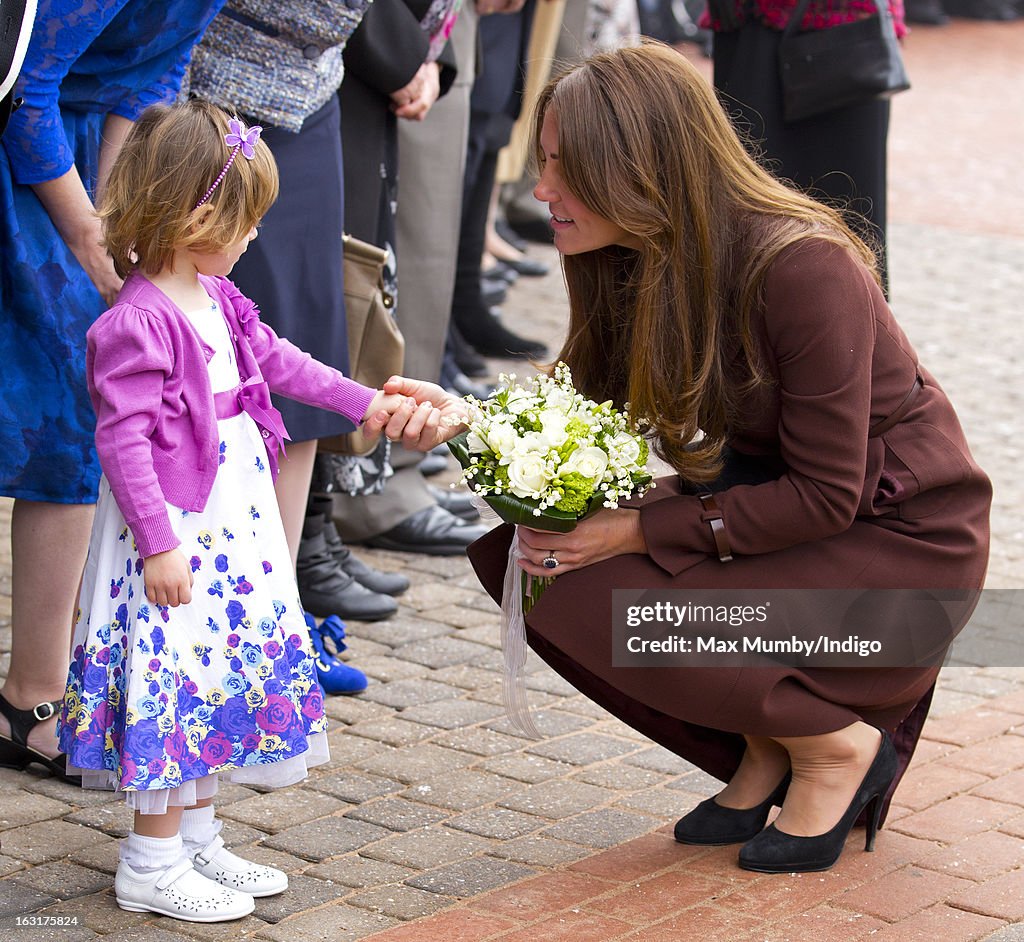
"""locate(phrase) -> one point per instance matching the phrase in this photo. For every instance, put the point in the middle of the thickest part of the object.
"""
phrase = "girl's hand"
(394, 414)
(168, 578)
(608, 533)
(431, 423)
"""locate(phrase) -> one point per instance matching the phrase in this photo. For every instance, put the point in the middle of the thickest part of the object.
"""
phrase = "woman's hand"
(168, 578)
(431, 423)
(68, 205)
(608, 533)
(418, 97)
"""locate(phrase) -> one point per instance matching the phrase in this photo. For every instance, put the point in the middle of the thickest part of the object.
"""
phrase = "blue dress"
(84, 60)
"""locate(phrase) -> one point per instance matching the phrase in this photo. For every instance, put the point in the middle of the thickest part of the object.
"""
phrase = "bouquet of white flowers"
(542, 455)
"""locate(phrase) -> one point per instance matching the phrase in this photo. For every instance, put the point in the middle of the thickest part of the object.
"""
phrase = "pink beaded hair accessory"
(238, 138)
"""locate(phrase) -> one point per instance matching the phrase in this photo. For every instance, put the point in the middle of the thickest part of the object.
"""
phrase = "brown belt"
(894, 417)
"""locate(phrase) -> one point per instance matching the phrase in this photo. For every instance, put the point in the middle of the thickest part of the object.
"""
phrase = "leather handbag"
(825, 69)
(376, 348)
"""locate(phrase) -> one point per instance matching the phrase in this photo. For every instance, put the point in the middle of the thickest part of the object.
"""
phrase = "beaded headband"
(238, 138)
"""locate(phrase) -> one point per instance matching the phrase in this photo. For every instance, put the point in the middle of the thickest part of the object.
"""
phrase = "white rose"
(519, 400)
(526, 475)
(590, 462)
(559, 399)
(475, 443)
(502, 438)
(531, 443)
(553, 424)
(625, 448)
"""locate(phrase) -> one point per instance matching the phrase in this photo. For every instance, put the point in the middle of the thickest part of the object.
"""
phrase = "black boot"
(326, 589)
(376, 580)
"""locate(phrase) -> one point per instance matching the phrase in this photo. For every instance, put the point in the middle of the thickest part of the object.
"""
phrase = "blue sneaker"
(334, 676)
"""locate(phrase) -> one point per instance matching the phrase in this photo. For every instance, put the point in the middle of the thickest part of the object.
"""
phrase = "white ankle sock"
(150, 854)
(199, 826)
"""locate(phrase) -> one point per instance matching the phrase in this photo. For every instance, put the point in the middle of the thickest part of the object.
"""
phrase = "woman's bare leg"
(762, 767)
(49, 543)
(827, 771)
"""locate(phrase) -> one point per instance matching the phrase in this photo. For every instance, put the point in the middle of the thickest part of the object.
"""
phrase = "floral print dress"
(160, 698)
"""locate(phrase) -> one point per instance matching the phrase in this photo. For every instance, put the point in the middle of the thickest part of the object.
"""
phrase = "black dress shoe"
(327, 589)
(501, 272)
(461, 385)
(465, 358)
(509, 234)
(457, 502)
(714, 824)
(434, 462)
(527, 266)
(775, 851)
(493, 292)
(432, 531)
(491, 338)
(535, 228)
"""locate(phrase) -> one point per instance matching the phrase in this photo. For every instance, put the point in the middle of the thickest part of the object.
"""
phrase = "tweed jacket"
(275, 61)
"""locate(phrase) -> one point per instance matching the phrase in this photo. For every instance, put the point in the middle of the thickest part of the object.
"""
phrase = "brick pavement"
(434, 820)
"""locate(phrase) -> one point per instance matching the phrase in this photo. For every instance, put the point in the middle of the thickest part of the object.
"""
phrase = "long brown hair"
(169, 160)
(643, 142)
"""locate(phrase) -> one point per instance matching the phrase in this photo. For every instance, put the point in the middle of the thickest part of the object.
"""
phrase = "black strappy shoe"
(16, 753)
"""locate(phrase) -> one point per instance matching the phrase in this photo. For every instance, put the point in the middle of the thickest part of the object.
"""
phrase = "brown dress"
(876, 489)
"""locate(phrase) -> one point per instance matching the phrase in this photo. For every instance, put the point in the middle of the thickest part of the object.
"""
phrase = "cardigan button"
(312, 51)
(266, 434)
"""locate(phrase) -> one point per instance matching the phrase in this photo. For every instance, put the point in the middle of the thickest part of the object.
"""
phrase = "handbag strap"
(797, 16)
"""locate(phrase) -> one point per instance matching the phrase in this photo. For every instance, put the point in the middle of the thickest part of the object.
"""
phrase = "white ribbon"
(513, 644)
(513, 632)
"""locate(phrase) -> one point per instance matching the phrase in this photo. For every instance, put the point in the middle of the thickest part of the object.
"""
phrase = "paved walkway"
(434, 821)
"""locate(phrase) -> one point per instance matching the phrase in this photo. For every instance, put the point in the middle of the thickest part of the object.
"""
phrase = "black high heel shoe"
(713, 824)
(774, 851)
(16, 753)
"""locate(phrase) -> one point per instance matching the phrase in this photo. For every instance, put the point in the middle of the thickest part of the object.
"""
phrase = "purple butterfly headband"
(238, 138)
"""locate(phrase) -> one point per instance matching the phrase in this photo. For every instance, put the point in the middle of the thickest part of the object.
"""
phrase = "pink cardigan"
(156, 423)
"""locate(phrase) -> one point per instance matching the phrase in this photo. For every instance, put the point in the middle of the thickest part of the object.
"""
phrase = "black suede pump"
(774, 851)
(711, 823)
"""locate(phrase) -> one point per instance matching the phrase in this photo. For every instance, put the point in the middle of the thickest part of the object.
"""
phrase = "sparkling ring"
(549, 561)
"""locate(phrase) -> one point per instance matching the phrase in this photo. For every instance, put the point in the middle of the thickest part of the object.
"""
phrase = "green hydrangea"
(576, 493)
(577, 428)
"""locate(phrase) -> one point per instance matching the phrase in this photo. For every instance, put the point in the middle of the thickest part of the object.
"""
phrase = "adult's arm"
(820, 326)
(71, 210)
(388, 48)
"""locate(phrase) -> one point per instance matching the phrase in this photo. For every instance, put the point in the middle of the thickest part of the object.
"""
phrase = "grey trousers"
(431, 158)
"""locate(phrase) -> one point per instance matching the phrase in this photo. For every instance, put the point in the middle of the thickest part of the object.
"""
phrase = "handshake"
(420, 415)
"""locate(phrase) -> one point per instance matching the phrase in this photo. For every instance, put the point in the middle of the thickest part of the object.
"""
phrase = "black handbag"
(822, 70)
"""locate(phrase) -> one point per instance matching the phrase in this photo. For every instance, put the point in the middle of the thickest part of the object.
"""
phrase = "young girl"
(191, 656)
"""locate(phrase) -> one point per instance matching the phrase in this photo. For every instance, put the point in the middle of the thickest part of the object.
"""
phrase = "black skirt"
(293, 270)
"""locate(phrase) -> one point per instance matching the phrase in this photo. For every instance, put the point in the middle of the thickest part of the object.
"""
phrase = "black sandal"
(16, 753)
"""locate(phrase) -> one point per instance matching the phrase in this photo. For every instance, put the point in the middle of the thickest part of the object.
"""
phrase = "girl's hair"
(169, 160)
(643, 142)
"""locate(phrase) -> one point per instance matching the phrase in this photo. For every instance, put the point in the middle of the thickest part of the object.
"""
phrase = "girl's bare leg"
(292, 489)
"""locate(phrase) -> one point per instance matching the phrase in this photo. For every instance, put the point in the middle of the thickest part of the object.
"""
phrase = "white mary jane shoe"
(216, 862)
(179, 892)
